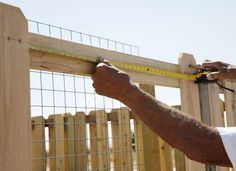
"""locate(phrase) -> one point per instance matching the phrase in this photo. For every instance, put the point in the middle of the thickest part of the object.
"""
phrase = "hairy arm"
(197, 140)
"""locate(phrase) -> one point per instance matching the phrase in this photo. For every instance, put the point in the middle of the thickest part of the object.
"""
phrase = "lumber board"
(56, 143)
(38, 144)
(211, 112)
(189, 101)
(165, 156)
(15, 121)
(80, 138)
(122, 146)
(69, 134)
(100, 153)
(230, 103)
(74, 65)
(139, 146)
(179, 160)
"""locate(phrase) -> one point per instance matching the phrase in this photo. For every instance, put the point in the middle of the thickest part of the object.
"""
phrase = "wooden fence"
(68, 142)
(21, 50)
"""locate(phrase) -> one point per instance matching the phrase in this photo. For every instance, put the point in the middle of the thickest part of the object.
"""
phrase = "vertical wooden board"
(189, 101)
(123, 146)
(38, 144)
(211, 111)
(56, 144)
(138, 135)
(150, 141)
(165, 156)
(93, 143)
(205, 104)
(215, 106)
(100, 155)
(124, 119)
(230, 103)
(69, 133)
(102, 137)
(216, 112)
(80, 141)
(117, 145)
(179, 160)
(15, 122)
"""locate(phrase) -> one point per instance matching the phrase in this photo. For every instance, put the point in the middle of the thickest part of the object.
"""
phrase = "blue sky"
(161, 28)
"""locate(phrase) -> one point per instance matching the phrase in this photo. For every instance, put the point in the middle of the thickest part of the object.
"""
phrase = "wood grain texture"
(80, 141)
(121, 134)
(100, 153)
(230, 103)
(72, 65)
(56, 143)
(38, 144)
(69, 136)
(190, 103)
(139, 147)
(15, 121)
(211, 111)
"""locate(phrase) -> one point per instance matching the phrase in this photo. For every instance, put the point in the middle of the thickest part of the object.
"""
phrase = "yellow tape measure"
(127, 66)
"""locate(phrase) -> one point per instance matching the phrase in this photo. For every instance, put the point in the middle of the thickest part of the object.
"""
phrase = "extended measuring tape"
(127, 66)
(197, 78)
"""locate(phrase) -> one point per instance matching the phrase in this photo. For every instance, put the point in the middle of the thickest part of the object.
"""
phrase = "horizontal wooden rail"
(69, 59)
(112, 116)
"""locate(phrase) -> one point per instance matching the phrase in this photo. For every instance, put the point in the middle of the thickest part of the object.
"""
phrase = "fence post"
(15, 128)
(189, 101)
(230, 103)
(211, 111)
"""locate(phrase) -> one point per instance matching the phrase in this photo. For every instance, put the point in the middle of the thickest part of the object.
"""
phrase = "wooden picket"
(56, 144)
(69, 136)
(99, 150)
(38, 144)
(121, 133)
(230, 106)
(80, 141)
(138, 134)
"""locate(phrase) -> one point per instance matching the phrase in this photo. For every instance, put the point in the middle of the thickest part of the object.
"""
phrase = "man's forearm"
(198, 141)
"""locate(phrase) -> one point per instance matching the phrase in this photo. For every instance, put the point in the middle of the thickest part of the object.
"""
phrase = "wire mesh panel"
(82, 38)
(74, 128)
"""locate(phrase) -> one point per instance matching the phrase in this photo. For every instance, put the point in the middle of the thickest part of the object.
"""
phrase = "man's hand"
(110, 81)
(218, 70)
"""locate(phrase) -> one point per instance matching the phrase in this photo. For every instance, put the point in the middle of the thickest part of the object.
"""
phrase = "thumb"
(107, 62)
(215, 76)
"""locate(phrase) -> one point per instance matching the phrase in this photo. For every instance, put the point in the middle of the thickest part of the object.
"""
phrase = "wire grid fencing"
(82, 38)
(73, 128)
(54, 97)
